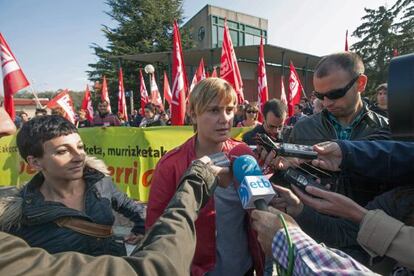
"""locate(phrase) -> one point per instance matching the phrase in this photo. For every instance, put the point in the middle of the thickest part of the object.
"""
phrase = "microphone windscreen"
(245, 165)
(239, 150)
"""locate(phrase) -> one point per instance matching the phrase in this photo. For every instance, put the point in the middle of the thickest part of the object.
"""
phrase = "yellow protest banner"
(131, 154)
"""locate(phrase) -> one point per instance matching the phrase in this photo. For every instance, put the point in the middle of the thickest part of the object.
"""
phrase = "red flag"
(179, 81)
(346, 41)
(199, 75)
(167, 90)
(283, 97)
(143, 92)
(13, 76)
(229, 69)
(155, 93)
(295, 89)
(263, 94)
(105, 95)
(87, 104)
(122, 108)
(64, 101)
(214, 73)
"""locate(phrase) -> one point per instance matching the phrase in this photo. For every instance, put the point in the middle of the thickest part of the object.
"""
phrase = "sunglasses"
(337, 93)
(251, 111)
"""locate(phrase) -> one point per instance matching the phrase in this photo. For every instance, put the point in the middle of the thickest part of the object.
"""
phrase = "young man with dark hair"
(274, 112)
(381, 104)
(298, 114)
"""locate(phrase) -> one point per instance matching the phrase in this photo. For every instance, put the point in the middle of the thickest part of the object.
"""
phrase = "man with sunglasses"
(274, 113)
(339, 81)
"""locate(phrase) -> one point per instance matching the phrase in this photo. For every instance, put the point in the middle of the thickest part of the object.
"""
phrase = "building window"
(214, 36)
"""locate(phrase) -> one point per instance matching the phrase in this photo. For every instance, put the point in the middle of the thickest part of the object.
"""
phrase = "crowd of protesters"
(364, 216)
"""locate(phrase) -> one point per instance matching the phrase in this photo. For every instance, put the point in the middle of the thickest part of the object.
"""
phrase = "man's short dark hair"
(347, 61)
(39, 130)
(382, 86)
(275, 106)
(41, 110)
(150, 106)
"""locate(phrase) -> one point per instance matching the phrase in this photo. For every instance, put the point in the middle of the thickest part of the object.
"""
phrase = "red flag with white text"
(143, 92)
(13, 76)
(105, 95)
(179, 81)
(229, 69)
(295, 89)
(155, 93)
(87, 104)
(122, 108)
(199, 75)
(167, 90)
(64, 101)
(263, 94)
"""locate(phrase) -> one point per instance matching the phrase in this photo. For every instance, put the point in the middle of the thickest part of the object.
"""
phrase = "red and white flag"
(295, 89)
(263, 94)
(143, 93)
(105, 95)
(214, 73)
(64, 101)
(155, 93)
(346, 41)
(229, 69)
(87, 104)
(199, 75)
(122, 108)
(13, 76)
(283, 97)
(179, 81)
(167, 90)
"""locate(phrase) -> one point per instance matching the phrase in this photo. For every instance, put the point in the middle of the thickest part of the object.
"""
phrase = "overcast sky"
(51, 39)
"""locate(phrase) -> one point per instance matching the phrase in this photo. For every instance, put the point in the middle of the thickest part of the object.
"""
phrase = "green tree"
(143, 26)
(383, 31)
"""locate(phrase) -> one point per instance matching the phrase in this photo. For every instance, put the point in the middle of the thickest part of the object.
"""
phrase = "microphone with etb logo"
(255, 190)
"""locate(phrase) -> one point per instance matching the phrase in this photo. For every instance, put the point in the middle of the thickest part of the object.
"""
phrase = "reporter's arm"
(392, 159)
(382, 235)
(312, 258)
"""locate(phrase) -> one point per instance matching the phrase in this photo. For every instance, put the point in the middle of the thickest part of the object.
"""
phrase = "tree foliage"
(143, 26)
(383, 32)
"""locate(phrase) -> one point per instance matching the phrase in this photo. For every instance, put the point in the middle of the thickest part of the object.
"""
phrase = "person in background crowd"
(317, 106)
(104, 118)
(122, 120)
(251, 112)
(40, 112)
(239, 115)
(24, 116)
(226, 244)
(297, 115)
(306, 106)
(68, 204)
(165, 119)
(82, 121)
(274, 112)
(135, 118)
(151, 118)
(381, 104)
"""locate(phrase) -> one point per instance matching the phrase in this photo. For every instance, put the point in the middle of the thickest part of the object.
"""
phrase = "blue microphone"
(255, 190)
